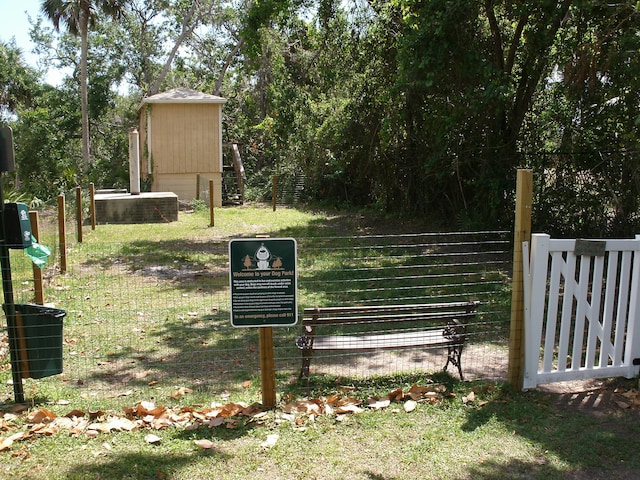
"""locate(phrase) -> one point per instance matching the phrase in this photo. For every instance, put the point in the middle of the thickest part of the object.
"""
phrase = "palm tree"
(78, 16)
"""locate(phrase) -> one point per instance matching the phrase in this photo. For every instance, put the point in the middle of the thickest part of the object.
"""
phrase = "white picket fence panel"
(581, 311)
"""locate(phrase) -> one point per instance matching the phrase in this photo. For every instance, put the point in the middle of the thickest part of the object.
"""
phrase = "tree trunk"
(188, 25)
(84, 90)
(225, 67)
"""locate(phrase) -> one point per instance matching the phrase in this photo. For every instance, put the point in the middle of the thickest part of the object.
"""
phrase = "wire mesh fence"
(288, 189)
(154, 313)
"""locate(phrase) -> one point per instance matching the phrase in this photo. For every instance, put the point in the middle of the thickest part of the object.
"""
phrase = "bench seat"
(387, 327)
(388, 340)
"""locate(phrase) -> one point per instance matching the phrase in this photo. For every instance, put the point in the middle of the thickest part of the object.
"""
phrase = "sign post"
(263, 281)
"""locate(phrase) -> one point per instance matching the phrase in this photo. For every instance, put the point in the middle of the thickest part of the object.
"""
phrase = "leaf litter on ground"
(27, 425)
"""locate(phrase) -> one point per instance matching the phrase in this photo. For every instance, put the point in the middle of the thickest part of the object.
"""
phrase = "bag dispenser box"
(17, 225)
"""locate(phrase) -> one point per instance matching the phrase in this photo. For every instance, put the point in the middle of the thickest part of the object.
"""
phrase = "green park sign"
(263, 279)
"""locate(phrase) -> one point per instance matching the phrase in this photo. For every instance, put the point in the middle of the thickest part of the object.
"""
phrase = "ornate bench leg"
(454, 357)
(306, 363)
(456, 332)
(305, 344)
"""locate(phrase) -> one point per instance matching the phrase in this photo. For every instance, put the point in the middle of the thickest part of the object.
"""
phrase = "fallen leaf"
(230, 423)
(347, 401)
(271, 440)
(349, 408)
(95, 414)
(180, 392)
(41, 416)
(75, 413)
(204, 443)
(215, 422)
(5, 443)
(18, 408)
(302, 406)
(377, 403)
(289, 417)
(410, 405)
(396, 395)
(152, 439)
(120, 424)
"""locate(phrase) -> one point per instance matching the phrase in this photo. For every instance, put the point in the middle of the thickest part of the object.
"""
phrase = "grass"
(499, 435)
(122, 348)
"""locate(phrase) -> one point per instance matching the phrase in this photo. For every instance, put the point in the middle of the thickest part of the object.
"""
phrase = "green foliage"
(46, 143)
(417, 108)
(584, 139)
(17, 81)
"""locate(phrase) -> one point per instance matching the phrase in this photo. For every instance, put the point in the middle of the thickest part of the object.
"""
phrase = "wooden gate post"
(522, 233)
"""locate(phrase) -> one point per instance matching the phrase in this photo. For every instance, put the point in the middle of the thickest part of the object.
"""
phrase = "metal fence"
(147, 314)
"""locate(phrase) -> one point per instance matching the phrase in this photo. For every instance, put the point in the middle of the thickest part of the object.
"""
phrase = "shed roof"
(183, 95)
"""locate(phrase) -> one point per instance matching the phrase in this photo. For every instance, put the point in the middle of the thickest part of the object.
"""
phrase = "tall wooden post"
(38, 288)
(92, 205)
(62, 233)
(522, 233)
(198, 186)
(267, 367)
(211, 205)
(79, 213)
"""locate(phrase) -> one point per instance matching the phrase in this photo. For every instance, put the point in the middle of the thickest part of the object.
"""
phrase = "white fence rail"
(581, 309)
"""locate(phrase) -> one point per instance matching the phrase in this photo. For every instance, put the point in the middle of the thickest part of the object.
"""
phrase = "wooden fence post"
(92, 205)
(38, 289)
(198, 186)
(522, 233)
(62, 233)
(79, 213)
(211, 205)
(274, 195)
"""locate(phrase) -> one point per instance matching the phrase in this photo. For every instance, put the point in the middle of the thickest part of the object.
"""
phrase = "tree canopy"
(415, 107)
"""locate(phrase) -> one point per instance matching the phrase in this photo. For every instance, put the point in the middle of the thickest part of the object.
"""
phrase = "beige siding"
(185, 138)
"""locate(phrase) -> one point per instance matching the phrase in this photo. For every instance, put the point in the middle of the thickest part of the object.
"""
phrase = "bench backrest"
(432, 312)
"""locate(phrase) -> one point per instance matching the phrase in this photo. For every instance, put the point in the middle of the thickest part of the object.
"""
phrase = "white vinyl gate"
(581, 309)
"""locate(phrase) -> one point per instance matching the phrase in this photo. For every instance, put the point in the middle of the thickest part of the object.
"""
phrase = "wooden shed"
(181, 143)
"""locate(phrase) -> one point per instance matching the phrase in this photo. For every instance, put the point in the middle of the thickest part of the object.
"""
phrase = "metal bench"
(386, 327)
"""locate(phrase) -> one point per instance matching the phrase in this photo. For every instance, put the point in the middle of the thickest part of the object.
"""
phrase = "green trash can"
(39, 338)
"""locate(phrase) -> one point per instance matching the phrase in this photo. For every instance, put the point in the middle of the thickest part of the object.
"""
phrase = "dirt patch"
(598, 397)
